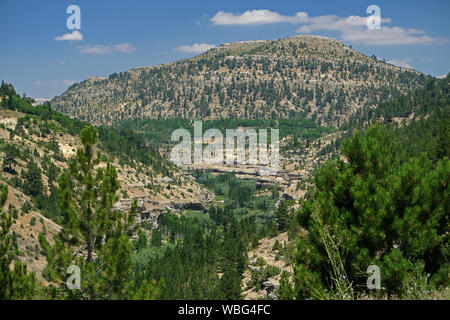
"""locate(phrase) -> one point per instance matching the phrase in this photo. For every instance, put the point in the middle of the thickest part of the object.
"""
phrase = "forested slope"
(302, 76)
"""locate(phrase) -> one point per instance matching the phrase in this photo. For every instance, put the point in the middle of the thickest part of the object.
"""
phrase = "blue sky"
(118, 35)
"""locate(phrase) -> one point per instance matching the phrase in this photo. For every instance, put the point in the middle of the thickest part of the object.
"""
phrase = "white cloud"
(255, 17)
(101, 49)
(401, 63)
(352, 28)
(124, 47)
(388, 36)
(66, 82)
(97, 49)
(74, 36)
(441, 76)
(335, 23)
(196, 47)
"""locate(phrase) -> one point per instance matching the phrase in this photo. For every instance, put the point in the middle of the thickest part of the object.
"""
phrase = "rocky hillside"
(34, 150)
(302, 76)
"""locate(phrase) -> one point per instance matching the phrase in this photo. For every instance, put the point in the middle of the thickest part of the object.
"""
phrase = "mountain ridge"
(301, 76)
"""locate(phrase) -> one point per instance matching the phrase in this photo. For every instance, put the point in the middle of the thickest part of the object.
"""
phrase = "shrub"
(277, 246)
(260, 262)
(14, 212)
(272, 271)
(26, 207)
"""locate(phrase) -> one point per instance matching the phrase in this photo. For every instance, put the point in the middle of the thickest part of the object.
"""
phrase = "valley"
(219, 231)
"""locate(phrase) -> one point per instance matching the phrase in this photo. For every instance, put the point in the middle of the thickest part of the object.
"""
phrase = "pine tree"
(156, 238)
(3, 100)
(95, 236)
(33, 180)
(443, 138)
(286, 290)
(282, 216)
(9, 161)
(230, 285)
(15, 283)
(374, 209)
(142, 241)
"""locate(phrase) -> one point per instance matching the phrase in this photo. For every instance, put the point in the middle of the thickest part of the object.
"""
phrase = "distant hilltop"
(300, 76)
(238, 42)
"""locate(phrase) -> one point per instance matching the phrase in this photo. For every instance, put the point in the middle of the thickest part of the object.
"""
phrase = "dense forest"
(158, 132)
(382, 200)
(387, 204)
(203, 256)
(419, 120)
(376, 208)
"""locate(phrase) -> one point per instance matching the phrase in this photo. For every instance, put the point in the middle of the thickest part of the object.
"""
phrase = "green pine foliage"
(158, 131)
(374, 208)
(203, 256)
(15, 282)
(419, 120)
(385, 202)
(33, 185)
(432, 96)
(198, 258)
(95, 236)
(283, 215)
(123, 143)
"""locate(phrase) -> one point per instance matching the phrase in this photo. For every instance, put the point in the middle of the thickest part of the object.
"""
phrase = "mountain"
(301, 76)
(37, 145)
(419, 120)
(216, 235)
